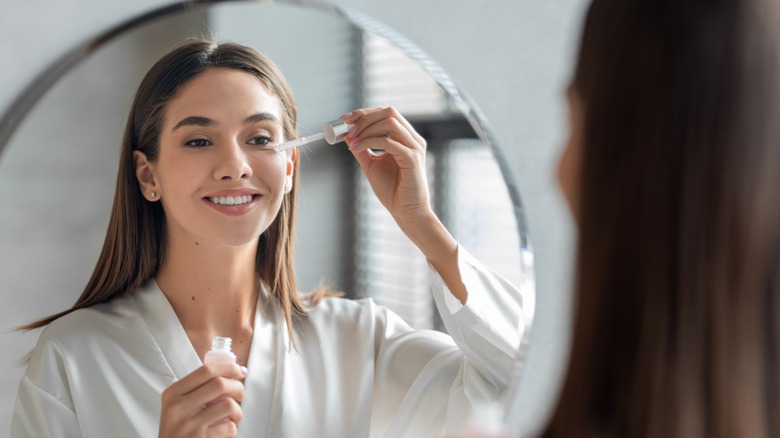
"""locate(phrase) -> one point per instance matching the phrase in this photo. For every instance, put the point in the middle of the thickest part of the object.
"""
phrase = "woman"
(672, 172)
(200, 244)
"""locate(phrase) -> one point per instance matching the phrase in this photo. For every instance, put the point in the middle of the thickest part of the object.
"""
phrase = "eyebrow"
(205, 121)
(259, 117)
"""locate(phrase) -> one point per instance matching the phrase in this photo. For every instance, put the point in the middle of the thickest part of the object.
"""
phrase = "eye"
(197, 143)
(261, 140)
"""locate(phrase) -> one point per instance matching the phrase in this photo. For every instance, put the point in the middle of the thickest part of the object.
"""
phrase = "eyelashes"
(258, 140)
(197, 143)
(261, 140)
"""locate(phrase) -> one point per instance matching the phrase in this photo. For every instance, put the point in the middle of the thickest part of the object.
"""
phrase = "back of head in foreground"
(678, 270)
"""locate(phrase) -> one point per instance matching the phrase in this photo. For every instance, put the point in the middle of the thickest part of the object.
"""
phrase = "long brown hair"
(135, 242)
(677, 308)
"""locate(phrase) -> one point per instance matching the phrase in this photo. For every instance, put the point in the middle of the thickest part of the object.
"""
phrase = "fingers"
(207, 396)
(397, 177)
(387, 128)
(205, 373)
(222, 411)
(391, 123)
(221, 430)
(216, 388)
(405, 157)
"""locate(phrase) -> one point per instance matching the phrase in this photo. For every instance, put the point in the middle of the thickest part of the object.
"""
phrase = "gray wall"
(513, 57)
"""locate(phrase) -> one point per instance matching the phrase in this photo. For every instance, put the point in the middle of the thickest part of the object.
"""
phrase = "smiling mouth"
(231, 200)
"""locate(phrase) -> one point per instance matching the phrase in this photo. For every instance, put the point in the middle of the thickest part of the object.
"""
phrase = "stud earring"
(153, 195)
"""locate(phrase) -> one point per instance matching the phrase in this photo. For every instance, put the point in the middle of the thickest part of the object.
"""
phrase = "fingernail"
(352, 130)
(353, 145)
(244, 371)
(345, 116)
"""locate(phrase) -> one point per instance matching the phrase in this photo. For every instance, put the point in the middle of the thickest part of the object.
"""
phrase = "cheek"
(271, 166)
(569, 165)
(568, 175)
(181, 171)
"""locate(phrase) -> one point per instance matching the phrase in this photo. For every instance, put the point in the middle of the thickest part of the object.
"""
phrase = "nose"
(232, 163)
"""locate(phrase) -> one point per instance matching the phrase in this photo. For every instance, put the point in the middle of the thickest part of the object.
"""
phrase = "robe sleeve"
(427, 383)
(38, 413)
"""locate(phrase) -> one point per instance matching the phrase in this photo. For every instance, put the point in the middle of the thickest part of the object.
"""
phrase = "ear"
(144, 172)
(291, 158)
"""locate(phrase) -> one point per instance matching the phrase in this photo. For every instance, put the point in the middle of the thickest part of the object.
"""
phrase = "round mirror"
(59, 147)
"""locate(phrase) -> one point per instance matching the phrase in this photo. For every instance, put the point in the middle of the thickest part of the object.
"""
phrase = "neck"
(213, 289)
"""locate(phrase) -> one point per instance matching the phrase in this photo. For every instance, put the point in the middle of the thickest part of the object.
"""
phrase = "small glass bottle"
(220, 351)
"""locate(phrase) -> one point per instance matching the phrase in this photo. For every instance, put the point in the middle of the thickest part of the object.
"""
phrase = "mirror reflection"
(58, 172)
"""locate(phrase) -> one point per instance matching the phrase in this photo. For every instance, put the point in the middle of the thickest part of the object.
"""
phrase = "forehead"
(223, 94)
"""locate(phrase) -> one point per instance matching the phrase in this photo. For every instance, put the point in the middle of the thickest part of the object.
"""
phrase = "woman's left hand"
(397, 177)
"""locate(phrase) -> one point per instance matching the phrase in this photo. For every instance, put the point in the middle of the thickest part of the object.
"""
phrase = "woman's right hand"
(187, 408)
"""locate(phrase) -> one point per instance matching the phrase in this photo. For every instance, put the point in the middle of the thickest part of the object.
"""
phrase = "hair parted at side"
(135, 242)
(676, 330)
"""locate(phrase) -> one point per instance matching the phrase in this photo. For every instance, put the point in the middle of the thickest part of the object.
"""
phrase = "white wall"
(513, 57)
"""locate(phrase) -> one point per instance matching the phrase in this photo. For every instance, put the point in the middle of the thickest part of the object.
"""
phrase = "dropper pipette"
(300, 141)
(333, 132)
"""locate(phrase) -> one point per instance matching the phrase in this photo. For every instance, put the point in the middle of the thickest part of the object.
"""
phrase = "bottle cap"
(220, 343)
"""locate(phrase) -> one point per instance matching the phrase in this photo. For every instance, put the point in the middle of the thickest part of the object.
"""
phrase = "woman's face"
(569, 165)
(217, 175)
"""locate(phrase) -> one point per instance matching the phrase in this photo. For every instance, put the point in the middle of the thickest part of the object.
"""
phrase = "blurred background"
(57, 172)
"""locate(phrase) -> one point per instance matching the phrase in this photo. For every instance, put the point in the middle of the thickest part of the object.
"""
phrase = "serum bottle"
(220, 351)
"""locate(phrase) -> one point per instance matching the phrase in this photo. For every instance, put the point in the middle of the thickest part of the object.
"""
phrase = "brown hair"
(676, 323)
(135, 242)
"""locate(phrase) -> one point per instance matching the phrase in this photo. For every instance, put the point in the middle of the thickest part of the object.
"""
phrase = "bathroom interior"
(483, 82)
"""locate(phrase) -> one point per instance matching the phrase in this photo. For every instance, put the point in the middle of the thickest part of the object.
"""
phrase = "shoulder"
(82, 335)
(361, 317)
(85, 325)
(336, 309)
(66, 341)
(353, 315)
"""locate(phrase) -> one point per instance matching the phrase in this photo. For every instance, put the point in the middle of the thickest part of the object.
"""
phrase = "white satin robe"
(358, 370)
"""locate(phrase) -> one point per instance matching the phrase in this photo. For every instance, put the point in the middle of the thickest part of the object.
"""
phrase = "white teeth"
(231, 200)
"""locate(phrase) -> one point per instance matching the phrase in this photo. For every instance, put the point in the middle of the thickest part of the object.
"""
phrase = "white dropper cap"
(335, 131)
